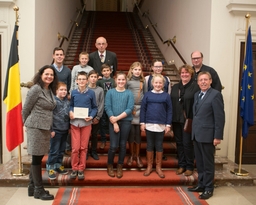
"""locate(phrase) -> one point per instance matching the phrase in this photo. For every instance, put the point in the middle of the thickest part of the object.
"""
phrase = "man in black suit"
(207, 132)
(197, 61)
(101, 56)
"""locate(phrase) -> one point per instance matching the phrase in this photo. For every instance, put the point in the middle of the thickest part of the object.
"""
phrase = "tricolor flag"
(12, 97)
(247, 94)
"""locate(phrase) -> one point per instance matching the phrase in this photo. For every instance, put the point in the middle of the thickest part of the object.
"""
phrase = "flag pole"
(20, 171)
(240, 171)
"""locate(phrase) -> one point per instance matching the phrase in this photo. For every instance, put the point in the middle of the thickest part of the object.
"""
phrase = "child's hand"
(71, 115)
(52, 134)
(87, 119)
(95, 121)
(167, 129)
(113, 119)
(142, 127)
(116, 127)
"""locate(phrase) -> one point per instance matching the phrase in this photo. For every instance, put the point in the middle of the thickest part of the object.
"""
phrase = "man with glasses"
(197, 61)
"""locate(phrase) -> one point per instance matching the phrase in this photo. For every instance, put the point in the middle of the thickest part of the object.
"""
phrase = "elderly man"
(101, 56)
(197, 61)
(207, 132)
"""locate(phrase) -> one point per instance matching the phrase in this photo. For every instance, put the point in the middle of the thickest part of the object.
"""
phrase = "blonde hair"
(159, 76)
(134, 65)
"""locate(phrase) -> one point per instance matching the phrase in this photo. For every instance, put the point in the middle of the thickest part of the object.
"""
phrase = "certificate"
(80, 112)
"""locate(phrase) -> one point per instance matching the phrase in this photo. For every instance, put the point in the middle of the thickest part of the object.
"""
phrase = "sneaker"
(51, 174)
(73, 174)
(80, 175)
(61, 170)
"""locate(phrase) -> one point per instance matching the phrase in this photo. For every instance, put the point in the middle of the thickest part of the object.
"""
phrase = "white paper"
(80, 112)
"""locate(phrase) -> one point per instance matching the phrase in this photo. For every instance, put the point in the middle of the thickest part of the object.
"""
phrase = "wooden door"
(249, 144)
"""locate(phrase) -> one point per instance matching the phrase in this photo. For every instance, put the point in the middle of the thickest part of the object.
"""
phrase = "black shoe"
(205, 195)
(73, 174)
(80, 175)
(95, 156)
(196, 189)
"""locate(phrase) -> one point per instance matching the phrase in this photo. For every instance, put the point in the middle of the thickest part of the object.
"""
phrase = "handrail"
(169, 41)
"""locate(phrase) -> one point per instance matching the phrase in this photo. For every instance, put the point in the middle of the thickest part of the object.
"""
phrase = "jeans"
(154, 140)
(118, 140)
(57, 149)
(185, 147)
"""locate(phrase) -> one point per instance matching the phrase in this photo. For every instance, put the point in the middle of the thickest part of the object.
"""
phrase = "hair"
(134, 65)
(156, 60)
(58, 49)
(120, 73)
(200, 54)
(81, 73)
(159, 76)
(60, 84)
(92, 72)
(83, 53)
(188, 68)
(105, 65)
(38, 78)
(204, 73)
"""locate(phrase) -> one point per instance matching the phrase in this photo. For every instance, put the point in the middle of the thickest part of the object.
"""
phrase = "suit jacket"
(37, 109)
(209, 117)
(96, 63)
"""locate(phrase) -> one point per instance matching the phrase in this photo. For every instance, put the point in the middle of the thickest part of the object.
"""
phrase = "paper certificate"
(80, 112)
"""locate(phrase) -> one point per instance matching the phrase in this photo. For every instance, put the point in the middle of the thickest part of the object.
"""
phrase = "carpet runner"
(127, 196)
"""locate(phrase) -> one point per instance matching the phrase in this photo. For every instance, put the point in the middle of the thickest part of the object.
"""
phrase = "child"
(83, 59)
(99, 93)
(59, 133)
(119, 104)
(135, 81)
(106, 83)
(156, 119)
(81, 97)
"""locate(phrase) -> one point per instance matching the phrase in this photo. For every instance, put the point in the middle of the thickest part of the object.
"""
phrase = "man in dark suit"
(207, 132)
(101, 56)
(197, 61)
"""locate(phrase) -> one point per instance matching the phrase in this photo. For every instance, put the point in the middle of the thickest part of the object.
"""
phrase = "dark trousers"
(154, 140)
(104, 126)
(185, 147)
(134, 135)
(204, 153)
(94, 137)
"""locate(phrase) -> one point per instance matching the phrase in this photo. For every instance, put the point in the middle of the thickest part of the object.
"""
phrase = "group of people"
(80, 104)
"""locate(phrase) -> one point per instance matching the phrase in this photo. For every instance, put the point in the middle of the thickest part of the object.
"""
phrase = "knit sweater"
(99, 93)
(156, 108)
(75, 70)
(106, 84)
(64, 75)
(119, 102)
(61, 116)
(134, 85)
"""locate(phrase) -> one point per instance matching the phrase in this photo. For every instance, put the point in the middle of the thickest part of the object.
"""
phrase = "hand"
(142, 127)
(167, 129)
(52, 134)
(71, 115)
(87, 119)
(116, 127)
(95, 121)
(113, 119)
(216, 142)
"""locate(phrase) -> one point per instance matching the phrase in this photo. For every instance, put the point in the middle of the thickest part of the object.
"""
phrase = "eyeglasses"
(197, 58)
(81, 79)
(158, 67)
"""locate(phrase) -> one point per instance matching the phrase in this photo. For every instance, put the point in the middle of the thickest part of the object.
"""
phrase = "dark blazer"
(209, 117)
(96, 63)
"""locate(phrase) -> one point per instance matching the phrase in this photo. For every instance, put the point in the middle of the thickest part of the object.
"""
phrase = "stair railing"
(169, 41)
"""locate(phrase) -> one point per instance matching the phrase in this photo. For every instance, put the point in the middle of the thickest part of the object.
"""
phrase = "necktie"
(201, 96)
(101, 58)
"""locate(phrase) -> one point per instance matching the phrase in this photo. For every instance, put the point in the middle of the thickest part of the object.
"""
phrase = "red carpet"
(127, 196)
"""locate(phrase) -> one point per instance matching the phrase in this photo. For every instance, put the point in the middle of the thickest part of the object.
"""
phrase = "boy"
(83, 59)
(106, 83)
(81, 97)
(99, 93)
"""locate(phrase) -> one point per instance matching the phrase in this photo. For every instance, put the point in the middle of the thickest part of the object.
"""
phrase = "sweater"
(75, 70)
(64, 75)
(85, 99)
(156, 108)
(134, 85)
(106, 84)
(119, 102)
(61, 116)
(99, 94)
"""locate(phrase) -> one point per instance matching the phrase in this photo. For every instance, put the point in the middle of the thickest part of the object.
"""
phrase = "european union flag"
(247, 94)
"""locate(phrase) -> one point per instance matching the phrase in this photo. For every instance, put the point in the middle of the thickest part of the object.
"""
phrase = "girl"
(59, 133)
(119, 104)
(81, 97)
(135, 84)
(156, 119)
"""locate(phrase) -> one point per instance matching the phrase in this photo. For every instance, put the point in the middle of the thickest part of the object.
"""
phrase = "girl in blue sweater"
(156, 119)
(118, 105)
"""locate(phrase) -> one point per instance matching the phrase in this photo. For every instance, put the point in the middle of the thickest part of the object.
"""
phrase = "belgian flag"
(12, 97)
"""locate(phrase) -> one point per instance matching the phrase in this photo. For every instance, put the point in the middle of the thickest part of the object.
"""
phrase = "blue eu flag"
(247, 94)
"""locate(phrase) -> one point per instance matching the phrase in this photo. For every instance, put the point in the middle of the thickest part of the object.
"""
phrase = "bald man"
(101, 56)
(197, 61)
